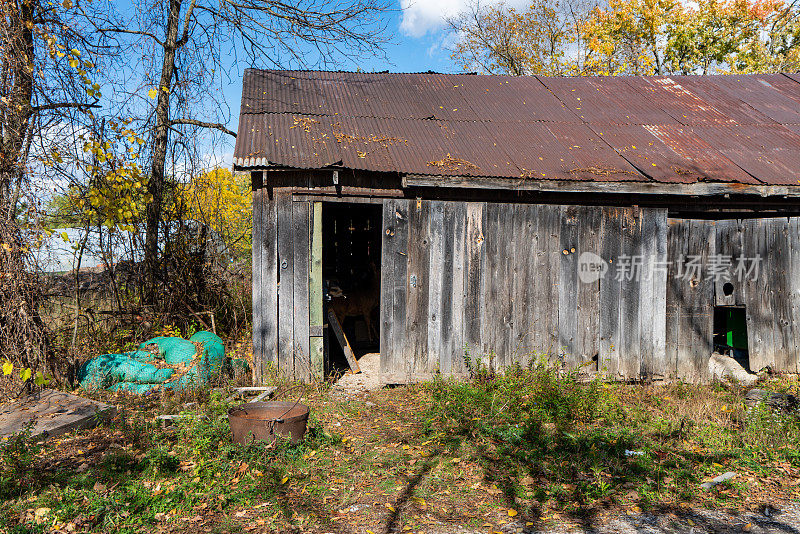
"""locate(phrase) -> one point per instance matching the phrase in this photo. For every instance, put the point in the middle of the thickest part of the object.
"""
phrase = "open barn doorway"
(351, 260)
(730, 334)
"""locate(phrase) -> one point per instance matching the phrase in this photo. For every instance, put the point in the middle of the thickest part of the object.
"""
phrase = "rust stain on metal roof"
(679, 129)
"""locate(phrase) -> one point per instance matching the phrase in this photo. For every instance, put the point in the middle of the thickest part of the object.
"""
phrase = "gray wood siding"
(772, 299)
(281, 272)
(690, 298)
(500, 282)
(301, 223)
(258, 252)
(394, 269)
(265, 282)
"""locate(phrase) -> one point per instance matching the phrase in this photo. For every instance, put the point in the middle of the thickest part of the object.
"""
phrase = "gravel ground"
(769, 520)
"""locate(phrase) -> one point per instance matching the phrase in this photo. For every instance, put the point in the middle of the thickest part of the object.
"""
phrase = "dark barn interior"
(351, 258)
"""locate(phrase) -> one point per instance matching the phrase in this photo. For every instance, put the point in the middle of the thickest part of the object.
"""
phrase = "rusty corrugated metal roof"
(667, 129)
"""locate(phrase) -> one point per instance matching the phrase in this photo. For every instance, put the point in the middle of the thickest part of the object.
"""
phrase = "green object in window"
(736, 328)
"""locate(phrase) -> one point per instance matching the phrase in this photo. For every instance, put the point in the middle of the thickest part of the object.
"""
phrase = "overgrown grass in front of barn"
(551, 441)
(533, 445)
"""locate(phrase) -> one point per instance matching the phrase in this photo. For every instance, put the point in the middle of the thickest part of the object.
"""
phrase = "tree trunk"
(18, 69)
(23, 335)
(157, 180)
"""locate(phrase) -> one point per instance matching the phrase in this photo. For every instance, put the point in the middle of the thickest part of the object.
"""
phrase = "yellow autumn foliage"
(221, 201)
(629, 37)
(635, 37)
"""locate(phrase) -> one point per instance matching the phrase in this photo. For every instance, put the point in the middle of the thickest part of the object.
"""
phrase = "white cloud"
(423, 16)
(218, 157)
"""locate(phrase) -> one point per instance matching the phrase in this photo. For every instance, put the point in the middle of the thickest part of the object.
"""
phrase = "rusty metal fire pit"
(268, 420)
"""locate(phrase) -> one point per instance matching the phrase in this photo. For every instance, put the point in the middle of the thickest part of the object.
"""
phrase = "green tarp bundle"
(162, 362)
(106, 370)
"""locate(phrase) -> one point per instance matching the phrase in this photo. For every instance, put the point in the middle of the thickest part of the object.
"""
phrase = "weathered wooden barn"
(632, 225)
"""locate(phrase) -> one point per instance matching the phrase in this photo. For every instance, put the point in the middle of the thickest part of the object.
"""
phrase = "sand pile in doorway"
(367, 380)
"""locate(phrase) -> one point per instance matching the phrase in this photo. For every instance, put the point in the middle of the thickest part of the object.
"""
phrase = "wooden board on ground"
(348, 352)
(52, 413)
(261, 392)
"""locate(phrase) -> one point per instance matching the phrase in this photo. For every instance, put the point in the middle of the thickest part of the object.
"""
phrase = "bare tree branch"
(158, 41)
(60, 105)
(202, 124)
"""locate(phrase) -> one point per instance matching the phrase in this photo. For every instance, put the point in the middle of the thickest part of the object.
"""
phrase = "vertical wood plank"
(506, 286)
(445, 301)
(451, 302)
(794, 288)
(549, 230)
(474, 299)
(497, 283)
(610, 287)
(454, 340)
(738, 251)
(676, 254)
(301, 212)
(777, 278)
(285, 230)
(537, 307)
(765, 249)
(630, 295)
(758, 306)
(569, 245)
(699, 289)
(388, 276)
(400, 352)
(522, 279)
(588, 336)
(269, 282)
(394, 352)
(258, 251)
(490, 313)
(648, 312)
(727, 241)
(656, 324)
(435, 280)
(507, 248)
(417, 286)
(315, 303)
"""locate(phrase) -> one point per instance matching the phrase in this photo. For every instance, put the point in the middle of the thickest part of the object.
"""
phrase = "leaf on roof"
(452, 164)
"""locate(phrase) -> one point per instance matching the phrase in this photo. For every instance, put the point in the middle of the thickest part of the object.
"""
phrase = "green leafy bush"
(540, 395)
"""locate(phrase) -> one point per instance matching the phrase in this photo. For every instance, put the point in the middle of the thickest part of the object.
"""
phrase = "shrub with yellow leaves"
(221, 201)
(116, 194)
